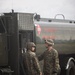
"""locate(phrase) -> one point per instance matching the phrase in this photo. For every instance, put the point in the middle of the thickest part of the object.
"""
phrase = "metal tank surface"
(62, 32)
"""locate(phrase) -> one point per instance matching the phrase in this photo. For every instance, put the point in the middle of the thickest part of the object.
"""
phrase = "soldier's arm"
(56, 63)
(36, 64)
(40, 57)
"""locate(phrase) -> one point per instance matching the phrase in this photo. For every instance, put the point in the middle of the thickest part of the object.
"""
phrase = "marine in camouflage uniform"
(51, 60)
(30, 61)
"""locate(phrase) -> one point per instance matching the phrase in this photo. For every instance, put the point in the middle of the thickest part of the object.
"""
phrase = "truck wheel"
(71, 69)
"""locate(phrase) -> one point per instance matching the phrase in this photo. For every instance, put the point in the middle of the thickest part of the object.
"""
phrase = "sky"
(45, 8)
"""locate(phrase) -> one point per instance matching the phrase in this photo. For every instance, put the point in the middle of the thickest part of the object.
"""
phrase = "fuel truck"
(16, 29)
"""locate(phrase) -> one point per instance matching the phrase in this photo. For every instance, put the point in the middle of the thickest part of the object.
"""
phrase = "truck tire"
(71, 69)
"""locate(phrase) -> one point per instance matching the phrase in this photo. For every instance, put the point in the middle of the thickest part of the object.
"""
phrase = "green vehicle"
(16, 29)
(63, 33)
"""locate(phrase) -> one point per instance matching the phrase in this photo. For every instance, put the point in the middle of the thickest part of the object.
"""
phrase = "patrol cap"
(49, 42)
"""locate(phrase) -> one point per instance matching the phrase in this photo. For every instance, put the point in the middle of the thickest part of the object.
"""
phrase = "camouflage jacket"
(31, 64)
(51, 62)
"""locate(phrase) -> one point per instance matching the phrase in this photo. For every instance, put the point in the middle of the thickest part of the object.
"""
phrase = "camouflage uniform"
(31, 64)
(51, 62)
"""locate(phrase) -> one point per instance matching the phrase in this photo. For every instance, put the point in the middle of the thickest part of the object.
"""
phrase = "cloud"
(46, 8)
